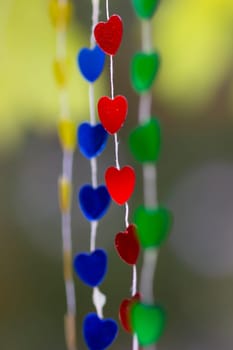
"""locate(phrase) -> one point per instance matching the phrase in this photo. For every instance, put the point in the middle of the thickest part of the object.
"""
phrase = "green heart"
(143, 70)
(145, 8)
(153, 225)
(145, 141)
(148, 322)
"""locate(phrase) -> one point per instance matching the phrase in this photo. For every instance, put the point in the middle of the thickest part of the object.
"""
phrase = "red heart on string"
(112, 112)
(120, 183)
(127, 245)
(124, 311)
(108, 35)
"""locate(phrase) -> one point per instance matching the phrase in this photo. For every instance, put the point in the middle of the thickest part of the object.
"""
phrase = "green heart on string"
(143, 70)
(153, 225)
(148, 322)
(145, 8)
(145, 141)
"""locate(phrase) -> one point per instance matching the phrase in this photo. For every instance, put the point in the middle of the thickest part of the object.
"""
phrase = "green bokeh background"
(193, 97)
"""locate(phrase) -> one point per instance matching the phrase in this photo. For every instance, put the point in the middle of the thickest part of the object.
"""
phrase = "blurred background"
(193, 98)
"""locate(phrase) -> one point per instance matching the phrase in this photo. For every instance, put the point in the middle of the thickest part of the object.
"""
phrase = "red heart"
(127, 245)
(124, 312)
(108, 34)
(120, 183)
(112, 112)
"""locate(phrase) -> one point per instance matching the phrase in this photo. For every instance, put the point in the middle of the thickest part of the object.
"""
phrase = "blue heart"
(91, 63)
(92, 139)
(98, 333)
(94, 202)
(91, 267)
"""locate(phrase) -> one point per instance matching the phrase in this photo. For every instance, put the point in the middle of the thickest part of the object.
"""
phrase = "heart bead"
(94, 202)
(145, 9)
(112, 112)
(120, 183)
(145, 141)
(91, 267)
(99, 333)
(148, 322)
(124, 312)
(143, 70)
(91, 63)
(153, 225)
(92, 139)
(127, 245)
(108, 35)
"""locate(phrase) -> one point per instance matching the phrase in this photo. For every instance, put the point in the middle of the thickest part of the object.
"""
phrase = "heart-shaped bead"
(120, 183)
(67, 134)
(94, 202)
(124, 312)
(108, 35)
(153, 225)
(92, 139)
(145, 141)
(91, 63)
(99, 333)
(148, 322)
(127, 245)
(112, 112)
(91, 267)
(143, 70)
(145, 9)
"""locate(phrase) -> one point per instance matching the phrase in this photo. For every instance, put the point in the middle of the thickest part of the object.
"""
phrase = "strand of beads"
(153, 221)
(94, 200)
(60, 12)
(119, 181)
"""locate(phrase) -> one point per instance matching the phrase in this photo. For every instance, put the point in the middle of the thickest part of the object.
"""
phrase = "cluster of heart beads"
(152, 224)
(94, 202)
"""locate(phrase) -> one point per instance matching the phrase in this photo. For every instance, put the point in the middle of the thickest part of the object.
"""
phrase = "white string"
(111, 77)
(126, 214)
(94, 226)
(116, 151)
(146, 36)
(145, 102)
(107, 9)
(98, 298)
(95, 18)
(149, 185)
(135, 343)
(148, 268)
(64, 104)
(92, 104)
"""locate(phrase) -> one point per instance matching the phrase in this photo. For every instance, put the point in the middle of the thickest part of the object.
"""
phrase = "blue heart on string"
(94, 202)
(91, 63)
(92, 139)
(91, 267)
(98, 333)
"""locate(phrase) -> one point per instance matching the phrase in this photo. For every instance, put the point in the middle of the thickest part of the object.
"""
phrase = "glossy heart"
(145, 8)
(124, 312)
(108, 35)
(91, 63)
(145, 141)
(91, 267)
(99, 333)
(120, 183)
(153, 225)
(148, 322)
(112, 112)
(143, 70)
(127, 245)
(94, 202)
(92, 139)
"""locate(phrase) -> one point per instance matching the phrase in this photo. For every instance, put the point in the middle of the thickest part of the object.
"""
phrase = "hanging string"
(98, 298)
(59, 11)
